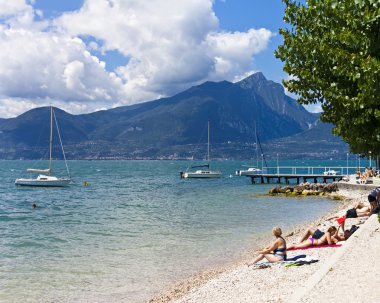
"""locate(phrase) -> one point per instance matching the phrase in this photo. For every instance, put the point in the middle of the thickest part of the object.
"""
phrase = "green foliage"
(332, 52)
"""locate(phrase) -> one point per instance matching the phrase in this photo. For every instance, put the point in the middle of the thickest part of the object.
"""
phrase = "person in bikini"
(326, 238)
(313, 232)
(275, 252)
(339, 237)
(359, 210)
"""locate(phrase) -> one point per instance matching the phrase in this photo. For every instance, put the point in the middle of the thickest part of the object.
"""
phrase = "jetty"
(288, 174)
(268, 178)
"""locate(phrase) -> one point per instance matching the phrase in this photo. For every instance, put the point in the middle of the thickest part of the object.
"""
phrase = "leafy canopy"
(332, 52)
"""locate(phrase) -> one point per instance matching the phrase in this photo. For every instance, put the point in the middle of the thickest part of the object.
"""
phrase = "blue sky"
(241, 15)
(87, 55)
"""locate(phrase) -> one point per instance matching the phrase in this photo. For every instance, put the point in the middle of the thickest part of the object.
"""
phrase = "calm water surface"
(134, 230)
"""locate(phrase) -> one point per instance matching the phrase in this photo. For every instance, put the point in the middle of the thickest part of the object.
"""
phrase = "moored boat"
(203, 173)
(46, 179)
(249, 171)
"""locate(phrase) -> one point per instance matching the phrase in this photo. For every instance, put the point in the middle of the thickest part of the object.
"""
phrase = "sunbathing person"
(313, 232)
(346, 234)
(327, 238)
(275, 252)
(359, 210)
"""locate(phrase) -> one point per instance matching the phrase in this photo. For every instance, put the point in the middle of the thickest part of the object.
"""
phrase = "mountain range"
(176, 127)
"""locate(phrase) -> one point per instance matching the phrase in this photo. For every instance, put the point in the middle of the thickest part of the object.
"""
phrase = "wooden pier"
(279, 178)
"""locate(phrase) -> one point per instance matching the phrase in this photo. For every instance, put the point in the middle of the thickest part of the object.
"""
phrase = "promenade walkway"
(352, 274)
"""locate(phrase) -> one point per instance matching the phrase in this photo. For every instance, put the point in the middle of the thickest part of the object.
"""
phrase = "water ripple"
(135, 228)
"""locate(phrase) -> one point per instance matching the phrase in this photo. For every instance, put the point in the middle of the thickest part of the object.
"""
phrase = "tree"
(331, 50)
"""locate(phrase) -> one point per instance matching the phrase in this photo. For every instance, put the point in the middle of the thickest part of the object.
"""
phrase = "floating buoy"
(85, 183)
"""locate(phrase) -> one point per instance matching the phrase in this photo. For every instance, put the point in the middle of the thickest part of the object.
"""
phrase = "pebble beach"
(277, 283)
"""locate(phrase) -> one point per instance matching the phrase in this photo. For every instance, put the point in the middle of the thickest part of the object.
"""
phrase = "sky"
(89, 55)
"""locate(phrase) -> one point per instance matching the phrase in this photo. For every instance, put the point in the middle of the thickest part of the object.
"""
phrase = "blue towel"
(296, 258)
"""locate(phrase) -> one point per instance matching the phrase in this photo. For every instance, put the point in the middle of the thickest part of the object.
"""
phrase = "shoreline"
(215, 285)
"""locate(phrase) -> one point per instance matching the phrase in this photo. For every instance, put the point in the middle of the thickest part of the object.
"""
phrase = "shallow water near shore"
(133, 231)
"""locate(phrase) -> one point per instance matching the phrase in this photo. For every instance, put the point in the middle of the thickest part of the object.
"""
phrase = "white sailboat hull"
(249, 171)
(45, 178)
(203, 174)
(44, 181)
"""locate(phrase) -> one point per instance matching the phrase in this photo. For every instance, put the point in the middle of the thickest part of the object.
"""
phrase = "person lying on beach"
(326, 238)
(313, 232)
(359, 210)
(275, 252)
(346, 234)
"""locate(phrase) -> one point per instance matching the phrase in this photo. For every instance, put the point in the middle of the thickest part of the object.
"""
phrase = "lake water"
(134, 230)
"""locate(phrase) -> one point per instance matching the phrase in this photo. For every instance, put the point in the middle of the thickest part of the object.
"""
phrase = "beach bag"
(354, 228)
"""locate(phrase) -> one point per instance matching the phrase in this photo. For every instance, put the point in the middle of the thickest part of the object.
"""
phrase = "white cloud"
(233, 52)
(314, 108)
(42, 65)
(13, 7)
(170, 45)
(11, 107)
(19, 14)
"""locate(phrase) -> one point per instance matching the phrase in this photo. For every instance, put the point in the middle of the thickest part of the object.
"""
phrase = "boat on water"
(206, 172)
(330, 172)
(252, 170)
(45, 177)
(200, 173)
(249, 171)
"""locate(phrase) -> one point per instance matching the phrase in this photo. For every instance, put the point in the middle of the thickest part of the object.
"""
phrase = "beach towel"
(316, 246)
(301, 261)
(295, 258)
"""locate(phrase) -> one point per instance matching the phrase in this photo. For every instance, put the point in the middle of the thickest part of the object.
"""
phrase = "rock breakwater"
(305, 189)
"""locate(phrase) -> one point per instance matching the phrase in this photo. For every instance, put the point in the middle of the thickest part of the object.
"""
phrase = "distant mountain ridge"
(169, 127)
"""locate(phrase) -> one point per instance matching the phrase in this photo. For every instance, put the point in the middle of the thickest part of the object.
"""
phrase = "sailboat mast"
(51, 139)
(257, 147)
(208, 141)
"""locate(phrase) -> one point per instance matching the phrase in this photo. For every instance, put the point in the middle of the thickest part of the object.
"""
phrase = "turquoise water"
(132, 232)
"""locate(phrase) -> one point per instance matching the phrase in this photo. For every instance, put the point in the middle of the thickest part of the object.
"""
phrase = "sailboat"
(252, 170)
(46, 178)
(203, 173)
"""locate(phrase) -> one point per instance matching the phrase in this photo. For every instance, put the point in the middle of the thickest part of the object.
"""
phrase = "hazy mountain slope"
(173, 125)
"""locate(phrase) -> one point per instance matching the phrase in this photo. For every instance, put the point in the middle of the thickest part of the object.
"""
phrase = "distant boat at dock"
(203, 173)
(330, 172)
(249, 171)
(252, 170)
